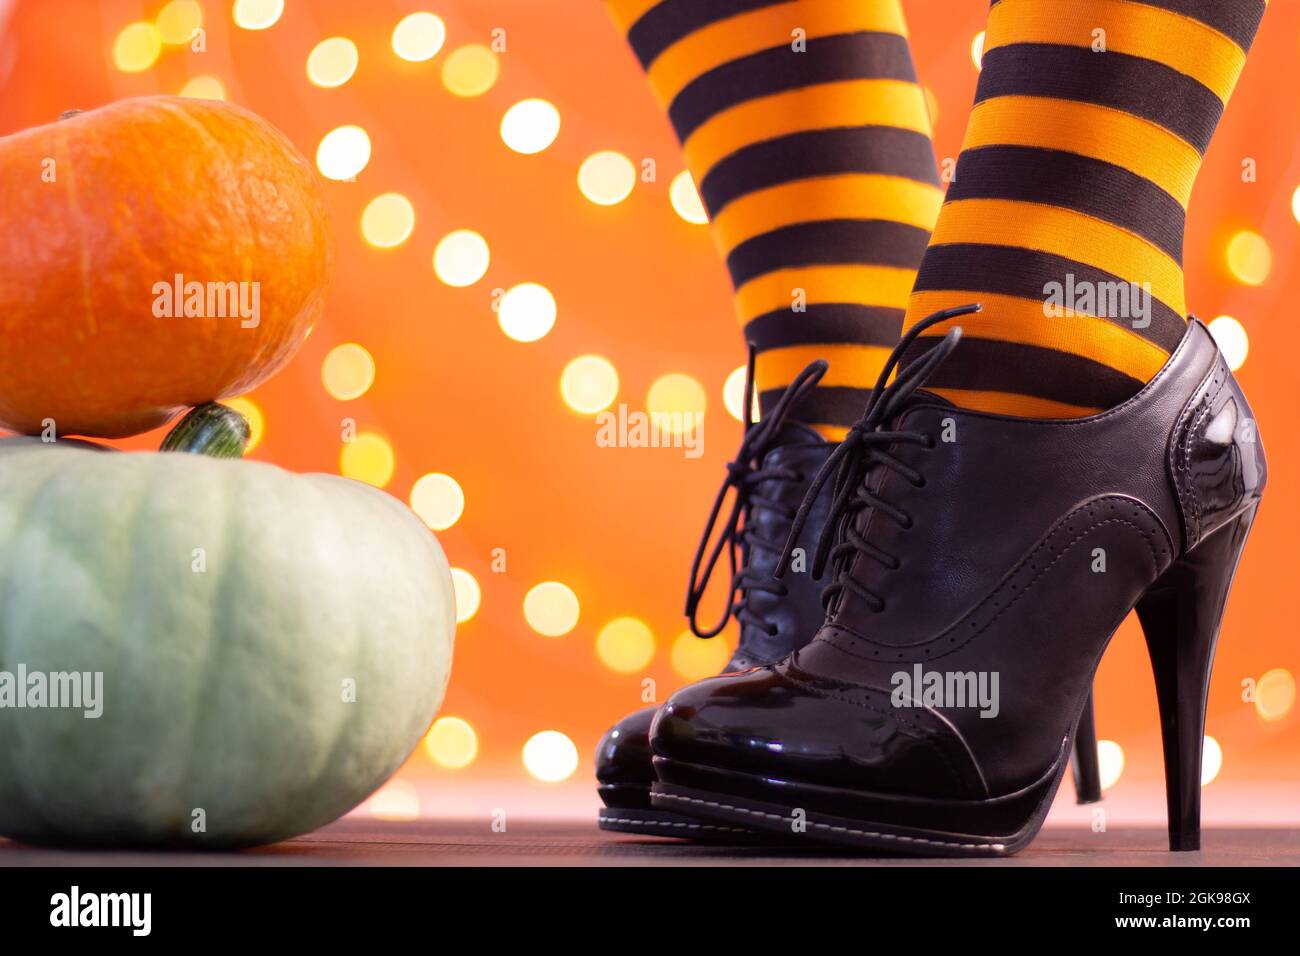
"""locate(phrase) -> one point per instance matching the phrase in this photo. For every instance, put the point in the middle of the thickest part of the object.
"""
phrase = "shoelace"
(745, 474)
(851, 464)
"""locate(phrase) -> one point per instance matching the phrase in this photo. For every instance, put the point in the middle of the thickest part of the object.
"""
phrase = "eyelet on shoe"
(919, 483)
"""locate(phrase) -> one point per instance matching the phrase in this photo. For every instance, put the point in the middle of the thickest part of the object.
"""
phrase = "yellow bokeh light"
(348, 371)
(1110, 763)
(253, 415)
(1275, 694)
(530, 126)
(257, 14)
(607, 177)
(369, 458)
(551, 609)
(1211, 760)
(675, 401)
(438, 499)
(589, 384)
(550, 756)
(526, 312)
(451, 743)
(625, 645)
(332, 62)
(733, 395)
(686, 199)
(461, 258)
(1230, 335)
(1249, 258)
(470, 70)
(696, 658)
(178, 21)
(388, 220)
(977, 50)
(137, 47)
(1295, 204)
(343, 152)
(419, 37)
(468, 594)
(396, 800)
(204, 88)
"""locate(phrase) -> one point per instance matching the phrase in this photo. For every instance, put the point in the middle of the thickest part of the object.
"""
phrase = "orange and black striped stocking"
(805, 129)
(1065, 216)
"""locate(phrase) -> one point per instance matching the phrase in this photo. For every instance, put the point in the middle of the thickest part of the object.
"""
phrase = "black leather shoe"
(770, 477)
(980, 566)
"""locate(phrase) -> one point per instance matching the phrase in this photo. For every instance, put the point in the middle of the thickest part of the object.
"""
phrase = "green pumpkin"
(272, 645)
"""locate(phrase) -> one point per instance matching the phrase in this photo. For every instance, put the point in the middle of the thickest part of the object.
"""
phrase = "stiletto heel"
(1087, 773)
(1180, 615)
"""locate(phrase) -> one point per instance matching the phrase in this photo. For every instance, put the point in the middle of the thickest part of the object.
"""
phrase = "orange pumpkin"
(155, 254)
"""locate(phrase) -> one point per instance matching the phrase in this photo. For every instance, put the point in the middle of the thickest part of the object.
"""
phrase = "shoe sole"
(882, 822)
(629, 811)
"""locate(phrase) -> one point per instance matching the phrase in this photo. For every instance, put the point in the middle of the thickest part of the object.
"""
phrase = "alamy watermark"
(56, 690)
(634, 429)
(1107, 300)
(208, 300)
(952, 689)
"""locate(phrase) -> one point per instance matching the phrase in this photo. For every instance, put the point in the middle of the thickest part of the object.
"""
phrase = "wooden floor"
(355, 842)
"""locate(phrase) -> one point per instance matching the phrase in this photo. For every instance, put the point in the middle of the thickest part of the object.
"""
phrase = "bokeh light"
(348, 371)
(526, 312)
(551, 609)
(204, 88)
(438, 499)
(1110, 763)
(550, 756)
(257, 14)
(1249, 258)
(1211, 760)
(625, 645)
(686, 199)
(451, 743)
(1295, 204)
(369, 458)
(253, 415)
(1233, 342)
(530, 126)
(977, 50)
(388, 220)
(468, 594)
(696, 658)
(470, 70)
(674, 401)
(343, 152)
(396, 800)
(461, 258)
(589, 384)
(607, 177)
(1275, 694)
(137, 47)
(178, 20)
(332, 62)
(419, 37)
(733, 395)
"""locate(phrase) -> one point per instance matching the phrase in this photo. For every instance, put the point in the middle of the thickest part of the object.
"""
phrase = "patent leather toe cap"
(623, 754)
(778, 722)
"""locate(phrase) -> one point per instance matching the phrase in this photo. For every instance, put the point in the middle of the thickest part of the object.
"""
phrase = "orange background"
(640, 286)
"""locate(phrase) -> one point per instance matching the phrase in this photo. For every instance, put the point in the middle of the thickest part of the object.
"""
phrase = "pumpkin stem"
(211, 429)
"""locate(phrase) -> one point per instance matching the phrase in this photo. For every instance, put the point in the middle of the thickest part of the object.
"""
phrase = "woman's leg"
(805, 129)
(1089, 124)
